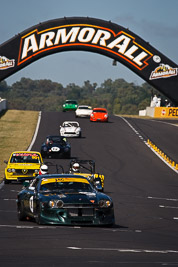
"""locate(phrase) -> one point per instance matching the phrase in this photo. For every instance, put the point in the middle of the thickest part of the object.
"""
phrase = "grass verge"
(17, 128)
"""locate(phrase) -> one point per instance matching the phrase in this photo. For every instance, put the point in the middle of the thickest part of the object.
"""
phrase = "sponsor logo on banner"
(6, 63)
(156, 59)
(119, 44)
(163, 71)
(166, 112)
(173, 112)
(163, 112)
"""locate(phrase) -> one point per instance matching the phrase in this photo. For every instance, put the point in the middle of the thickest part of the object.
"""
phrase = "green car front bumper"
(67, 107)
(76, 216)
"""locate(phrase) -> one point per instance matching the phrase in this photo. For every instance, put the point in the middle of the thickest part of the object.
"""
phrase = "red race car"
(99, 114)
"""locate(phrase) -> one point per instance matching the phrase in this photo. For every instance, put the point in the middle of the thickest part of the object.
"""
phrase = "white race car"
(83, 111)
(70, 129)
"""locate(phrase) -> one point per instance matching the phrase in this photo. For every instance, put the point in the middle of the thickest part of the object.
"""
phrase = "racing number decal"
(34, 157)
(60, 180)
(31, 203)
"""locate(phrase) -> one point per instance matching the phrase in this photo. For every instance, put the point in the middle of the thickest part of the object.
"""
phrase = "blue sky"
(156, 21)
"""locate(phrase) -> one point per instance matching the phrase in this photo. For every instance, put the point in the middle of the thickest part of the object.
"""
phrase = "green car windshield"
(66, 187)
(71, 102)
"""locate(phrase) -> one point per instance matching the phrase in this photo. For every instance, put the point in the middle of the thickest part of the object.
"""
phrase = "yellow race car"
(86, 168)
(22, 165)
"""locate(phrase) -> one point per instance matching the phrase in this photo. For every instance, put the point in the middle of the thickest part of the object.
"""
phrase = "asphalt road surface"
(144, 190)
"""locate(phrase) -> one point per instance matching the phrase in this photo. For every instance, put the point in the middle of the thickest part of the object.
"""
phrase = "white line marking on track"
(73, 248)
(127, 250)
(24, 227)
(123, 230)
(15, 226)
(167, 207)
(161, 198)
(130, 125)
(27, 226)
(2, 184)
(139, 263)
(36, 226)
(7, 199)
(176, 125)
(64, 227)
(36, 132)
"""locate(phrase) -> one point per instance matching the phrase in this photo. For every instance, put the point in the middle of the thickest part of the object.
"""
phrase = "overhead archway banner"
(92, 35)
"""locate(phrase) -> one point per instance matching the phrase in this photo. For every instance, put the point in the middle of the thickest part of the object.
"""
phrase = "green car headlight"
(56, 203)
(52, 203)
(60, 203)
(104, 203)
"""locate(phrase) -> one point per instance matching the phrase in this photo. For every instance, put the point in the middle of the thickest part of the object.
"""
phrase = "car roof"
(84, 106)
(100, 109)
(70, 122)
(25, 152)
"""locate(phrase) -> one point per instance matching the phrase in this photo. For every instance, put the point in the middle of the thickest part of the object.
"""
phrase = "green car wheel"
(38, 217)
(20, 213)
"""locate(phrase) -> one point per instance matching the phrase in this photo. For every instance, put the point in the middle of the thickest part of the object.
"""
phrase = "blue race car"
(56, 146)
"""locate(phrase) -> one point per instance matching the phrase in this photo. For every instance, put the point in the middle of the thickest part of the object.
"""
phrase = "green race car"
(70, 105)
(64, 199)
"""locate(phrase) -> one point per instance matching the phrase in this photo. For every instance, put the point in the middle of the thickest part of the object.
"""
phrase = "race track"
(144, 190)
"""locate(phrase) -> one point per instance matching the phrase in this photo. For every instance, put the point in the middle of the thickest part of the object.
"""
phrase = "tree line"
(118, 96)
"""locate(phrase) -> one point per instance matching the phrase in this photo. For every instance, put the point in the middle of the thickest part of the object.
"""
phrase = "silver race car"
(83, 111)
